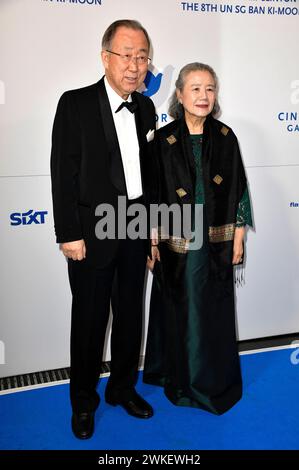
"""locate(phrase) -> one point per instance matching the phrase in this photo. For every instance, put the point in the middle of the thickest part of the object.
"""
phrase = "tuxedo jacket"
(86, 165)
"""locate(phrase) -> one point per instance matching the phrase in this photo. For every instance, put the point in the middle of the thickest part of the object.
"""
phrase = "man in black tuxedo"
(100, 152)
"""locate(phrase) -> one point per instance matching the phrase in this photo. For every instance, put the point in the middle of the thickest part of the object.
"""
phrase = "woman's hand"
(155, 256)
(238, 245)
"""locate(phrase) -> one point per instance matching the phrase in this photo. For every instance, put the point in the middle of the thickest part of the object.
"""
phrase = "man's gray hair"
(176, 109)
(111, 30)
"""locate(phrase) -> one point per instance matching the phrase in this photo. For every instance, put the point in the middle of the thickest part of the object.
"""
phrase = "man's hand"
(74, 250)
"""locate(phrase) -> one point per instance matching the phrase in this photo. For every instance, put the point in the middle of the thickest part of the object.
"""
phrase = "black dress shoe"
(83, 424)
(135, 406)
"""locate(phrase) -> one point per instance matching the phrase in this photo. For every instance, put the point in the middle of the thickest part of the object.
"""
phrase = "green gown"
(191, 344)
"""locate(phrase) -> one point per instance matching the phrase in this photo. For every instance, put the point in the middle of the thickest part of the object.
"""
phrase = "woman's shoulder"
(222, 128)
(168, 129)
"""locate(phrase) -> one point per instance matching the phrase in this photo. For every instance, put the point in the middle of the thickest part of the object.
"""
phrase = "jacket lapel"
(138, 121)
(140, 114)
(117, 175)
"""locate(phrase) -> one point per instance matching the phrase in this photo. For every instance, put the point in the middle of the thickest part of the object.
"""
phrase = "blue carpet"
(267, 417)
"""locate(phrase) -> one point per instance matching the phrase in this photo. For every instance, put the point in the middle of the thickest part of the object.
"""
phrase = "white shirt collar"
(114, 99)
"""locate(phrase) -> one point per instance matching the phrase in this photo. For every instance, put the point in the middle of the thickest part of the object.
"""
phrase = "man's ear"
(105, 58)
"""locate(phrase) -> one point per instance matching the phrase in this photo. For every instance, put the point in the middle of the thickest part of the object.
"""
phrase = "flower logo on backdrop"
(157, 86)
(290, 118)
(152, 83)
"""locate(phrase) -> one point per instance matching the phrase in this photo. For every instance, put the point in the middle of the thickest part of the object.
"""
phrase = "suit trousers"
(122, 280)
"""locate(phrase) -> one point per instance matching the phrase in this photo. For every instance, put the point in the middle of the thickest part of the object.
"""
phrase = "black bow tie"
(127, 104)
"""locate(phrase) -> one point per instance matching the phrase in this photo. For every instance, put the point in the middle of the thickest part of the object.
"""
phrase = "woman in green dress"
(191, 345)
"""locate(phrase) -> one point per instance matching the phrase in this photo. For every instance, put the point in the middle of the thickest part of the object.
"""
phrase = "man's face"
(126, 76)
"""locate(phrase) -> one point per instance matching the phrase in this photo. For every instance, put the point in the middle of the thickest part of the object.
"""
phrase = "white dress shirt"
(125, 126)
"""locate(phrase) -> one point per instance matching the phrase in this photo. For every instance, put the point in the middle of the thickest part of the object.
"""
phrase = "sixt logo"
(28, 218)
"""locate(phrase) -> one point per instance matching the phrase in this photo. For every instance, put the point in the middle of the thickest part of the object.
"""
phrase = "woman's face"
(198, 95)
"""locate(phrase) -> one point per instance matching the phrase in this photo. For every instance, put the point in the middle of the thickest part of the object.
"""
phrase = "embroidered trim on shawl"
(223, 233)
(178, 245)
